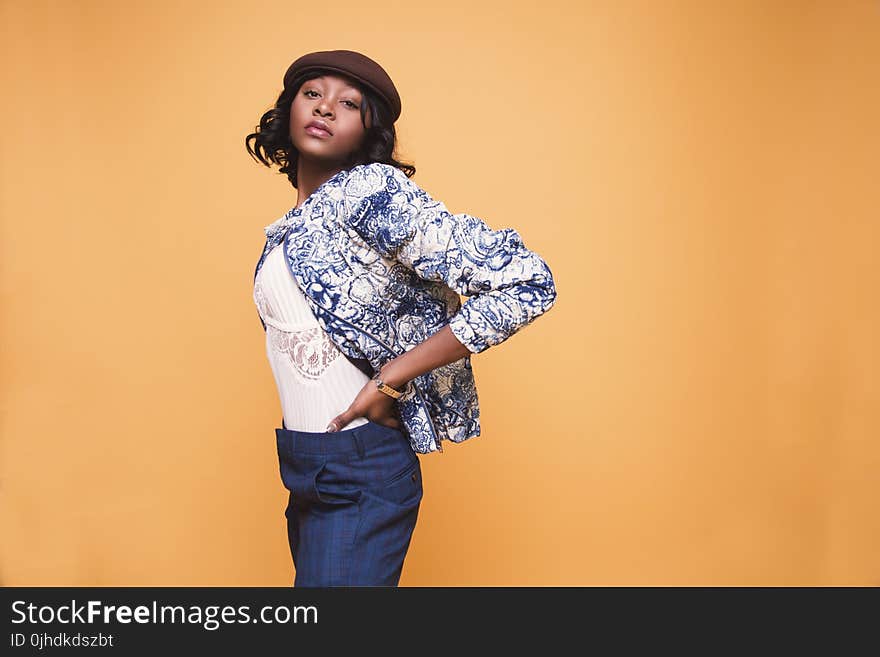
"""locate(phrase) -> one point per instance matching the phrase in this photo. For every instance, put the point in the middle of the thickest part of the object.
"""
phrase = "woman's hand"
(372, 404)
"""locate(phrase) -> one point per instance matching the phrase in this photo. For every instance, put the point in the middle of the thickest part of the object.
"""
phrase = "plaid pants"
(353, 504)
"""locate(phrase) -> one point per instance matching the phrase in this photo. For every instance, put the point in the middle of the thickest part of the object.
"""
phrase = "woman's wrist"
(391, 376)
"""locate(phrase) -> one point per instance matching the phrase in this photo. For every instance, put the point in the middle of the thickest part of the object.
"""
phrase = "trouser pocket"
(303, 478)
(402, 489)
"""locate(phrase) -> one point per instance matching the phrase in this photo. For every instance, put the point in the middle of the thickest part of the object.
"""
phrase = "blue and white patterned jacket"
(381, 265)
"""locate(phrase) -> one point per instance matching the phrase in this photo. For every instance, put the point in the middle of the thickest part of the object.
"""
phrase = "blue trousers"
(353, 504)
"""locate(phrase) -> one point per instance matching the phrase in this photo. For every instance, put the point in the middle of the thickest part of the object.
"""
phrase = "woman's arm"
(440, 349)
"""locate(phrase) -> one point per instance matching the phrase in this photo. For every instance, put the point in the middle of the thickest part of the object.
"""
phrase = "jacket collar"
(296, 211)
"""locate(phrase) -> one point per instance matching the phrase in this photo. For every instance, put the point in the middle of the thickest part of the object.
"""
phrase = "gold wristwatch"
(387, 389)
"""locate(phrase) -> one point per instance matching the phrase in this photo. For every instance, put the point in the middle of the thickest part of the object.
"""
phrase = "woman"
(358, 290)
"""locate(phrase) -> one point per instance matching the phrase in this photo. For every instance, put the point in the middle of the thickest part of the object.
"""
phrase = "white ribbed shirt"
(315, 381)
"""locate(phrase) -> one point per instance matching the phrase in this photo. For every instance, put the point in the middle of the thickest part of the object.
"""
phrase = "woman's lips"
(317, 132)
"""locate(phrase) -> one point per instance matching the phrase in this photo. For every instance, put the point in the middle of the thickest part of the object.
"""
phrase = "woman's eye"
(312, 91)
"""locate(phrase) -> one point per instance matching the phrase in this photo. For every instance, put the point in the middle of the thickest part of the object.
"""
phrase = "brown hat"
(354, 64)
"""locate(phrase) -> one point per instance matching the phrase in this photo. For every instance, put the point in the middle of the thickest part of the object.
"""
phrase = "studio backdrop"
(699, 407)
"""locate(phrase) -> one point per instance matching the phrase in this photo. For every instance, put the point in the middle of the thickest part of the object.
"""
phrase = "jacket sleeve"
(508, 285)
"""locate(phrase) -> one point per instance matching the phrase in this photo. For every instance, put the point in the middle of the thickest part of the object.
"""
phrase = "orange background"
(700, 407)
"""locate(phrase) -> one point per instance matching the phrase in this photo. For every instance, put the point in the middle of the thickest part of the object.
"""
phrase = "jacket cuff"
(465, 334)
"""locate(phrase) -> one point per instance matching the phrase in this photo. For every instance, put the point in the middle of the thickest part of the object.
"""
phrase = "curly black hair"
(272, 143)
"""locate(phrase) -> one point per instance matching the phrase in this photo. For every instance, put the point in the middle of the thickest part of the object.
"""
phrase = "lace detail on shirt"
(310, 351)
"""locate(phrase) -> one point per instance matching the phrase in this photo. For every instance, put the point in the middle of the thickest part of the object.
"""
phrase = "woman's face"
(335, 102)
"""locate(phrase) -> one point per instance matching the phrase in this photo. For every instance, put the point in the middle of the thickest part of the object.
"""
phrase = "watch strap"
(388, 390)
